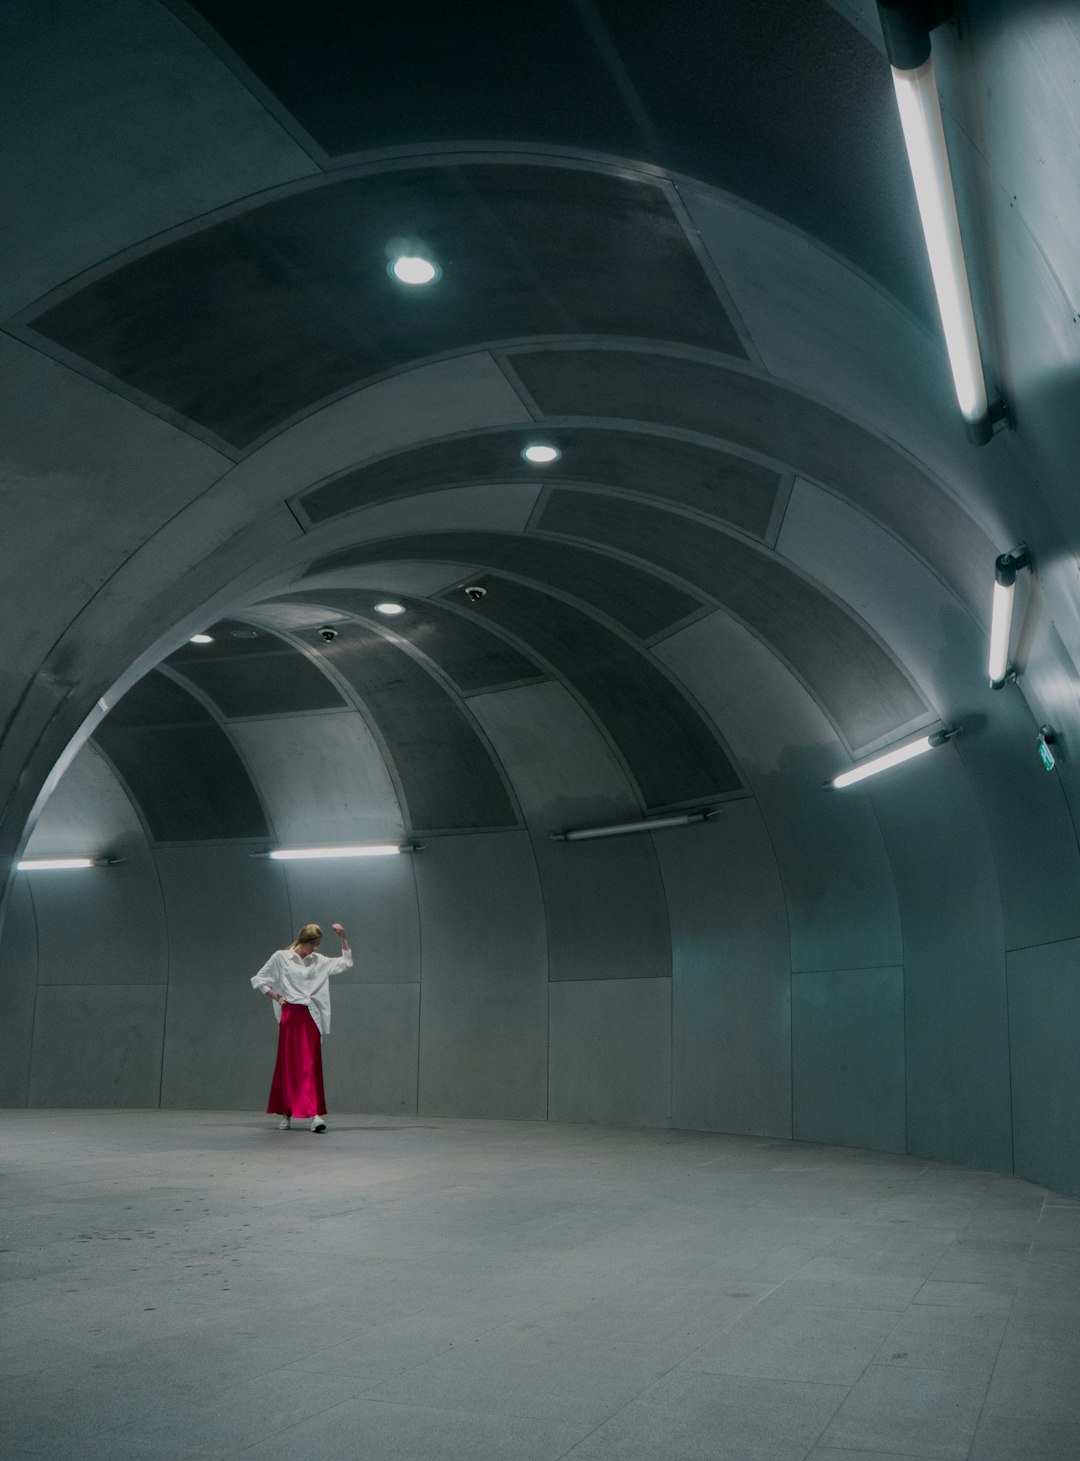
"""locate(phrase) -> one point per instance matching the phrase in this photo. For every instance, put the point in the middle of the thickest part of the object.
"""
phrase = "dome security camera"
(327, 633)
(474, 593)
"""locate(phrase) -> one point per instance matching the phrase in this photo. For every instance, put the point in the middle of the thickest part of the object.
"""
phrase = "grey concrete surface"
(847, 1058)
(609, 1051)
(198, 1284)
(483, 1015)
(731, 1003)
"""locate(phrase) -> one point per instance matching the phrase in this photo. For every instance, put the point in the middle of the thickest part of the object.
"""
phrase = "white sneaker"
(318, 1124)
(284, 1123)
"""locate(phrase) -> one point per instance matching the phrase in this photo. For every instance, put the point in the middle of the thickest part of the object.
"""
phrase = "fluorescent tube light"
(924, 136)
(907, 42)
(895, 757)
(370, 849)
(53, 864)
(1005, 568)
(620, 829)
(1000, 633)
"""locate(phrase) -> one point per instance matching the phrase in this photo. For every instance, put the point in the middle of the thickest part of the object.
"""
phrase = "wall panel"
(322, 778)
(1044, 1028)
(606, 917)
(731, 1030)
(220, 1047)
(847, 1057)
(483, 1014)
(97, 1045)
(603, 901)
(611, 1052)
(370, 1057)
(18, 988)
(103, 925)
(838, 885)
(227, 912)
(954, 962)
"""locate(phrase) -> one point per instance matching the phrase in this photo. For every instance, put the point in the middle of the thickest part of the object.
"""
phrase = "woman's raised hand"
(338, 929)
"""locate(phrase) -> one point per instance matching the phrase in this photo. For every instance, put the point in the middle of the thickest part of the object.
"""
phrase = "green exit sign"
(1045, 743)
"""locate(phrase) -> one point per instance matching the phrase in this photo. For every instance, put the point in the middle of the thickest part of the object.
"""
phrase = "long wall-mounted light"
(63, 864)
(895, 757)
(621, 829)
(906, 26)
(1005, 570)
(367, 849)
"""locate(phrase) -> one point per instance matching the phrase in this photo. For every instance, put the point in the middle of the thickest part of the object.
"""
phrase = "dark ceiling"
(596, 181)
(753, 97)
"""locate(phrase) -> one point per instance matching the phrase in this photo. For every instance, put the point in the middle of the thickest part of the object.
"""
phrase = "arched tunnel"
(681, 249)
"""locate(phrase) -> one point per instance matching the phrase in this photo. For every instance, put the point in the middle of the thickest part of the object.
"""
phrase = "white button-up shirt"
(302, 981)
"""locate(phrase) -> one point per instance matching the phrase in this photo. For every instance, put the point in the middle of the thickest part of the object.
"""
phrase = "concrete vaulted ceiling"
(681, 248)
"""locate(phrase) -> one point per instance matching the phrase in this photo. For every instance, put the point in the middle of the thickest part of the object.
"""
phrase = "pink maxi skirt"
(297, 1087)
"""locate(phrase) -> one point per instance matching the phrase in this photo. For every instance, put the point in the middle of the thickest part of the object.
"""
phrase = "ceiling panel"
(253, 320)
(697, 476)
(640, 601)
(447, 776)
(768, 418)
(179, 765)
(666, 743)
(258, 674)
(844, 666)
(784, 104)
(468, 653)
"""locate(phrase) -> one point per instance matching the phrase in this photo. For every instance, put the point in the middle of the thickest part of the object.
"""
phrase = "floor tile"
(917, 1413)
(225, 1420)
(967, 1295)
(361, 1430)
(811, 1344)
(706, 1417)
(1037, 1382)
(1049, 1324)
(1006, 1438)
(982, 1260)
(829, 1453)
(949, 1353)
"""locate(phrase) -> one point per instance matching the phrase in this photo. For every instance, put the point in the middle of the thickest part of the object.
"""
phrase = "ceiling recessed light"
(202, 639)
(540, 453)
(389, 608)
(414, 269)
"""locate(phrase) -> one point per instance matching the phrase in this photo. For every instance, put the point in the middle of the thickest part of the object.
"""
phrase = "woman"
(296, 979)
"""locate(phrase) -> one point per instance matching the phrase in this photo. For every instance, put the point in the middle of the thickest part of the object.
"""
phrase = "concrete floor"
(199, 1284)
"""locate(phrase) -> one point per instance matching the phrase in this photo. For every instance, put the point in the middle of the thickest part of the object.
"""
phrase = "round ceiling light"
(414, 269)
(202, 639)
(540, 453)
(389, 608)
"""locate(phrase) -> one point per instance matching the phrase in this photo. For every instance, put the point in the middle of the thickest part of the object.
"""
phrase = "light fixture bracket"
(906, 27)
(998, 417)
(1007, 565)
(942, 737)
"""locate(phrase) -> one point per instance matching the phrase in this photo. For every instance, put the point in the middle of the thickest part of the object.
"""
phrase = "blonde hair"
(311, 933)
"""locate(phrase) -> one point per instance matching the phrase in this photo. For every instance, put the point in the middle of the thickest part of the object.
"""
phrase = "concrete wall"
(834, 968)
